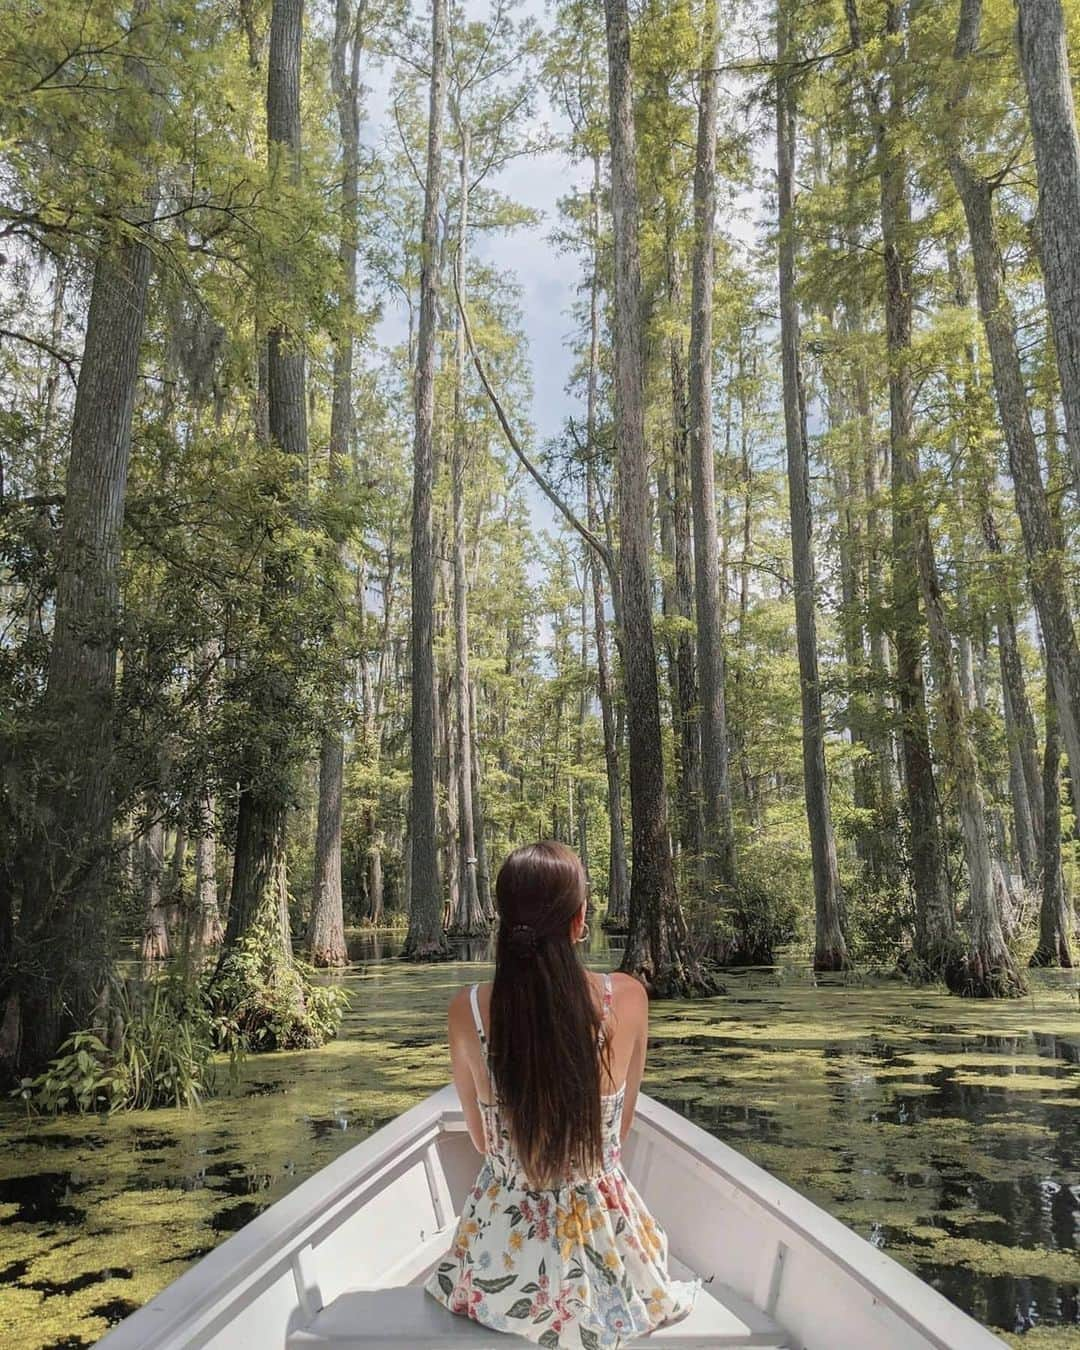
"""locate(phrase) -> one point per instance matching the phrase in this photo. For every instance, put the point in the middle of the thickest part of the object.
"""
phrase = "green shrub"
(155, 1047)
(154, 1041)
(271, 1002)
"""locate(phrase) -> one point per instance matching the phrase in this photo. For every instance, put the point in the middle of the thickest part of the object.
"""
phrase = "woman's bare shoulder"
(630, 994)
(458, 1009)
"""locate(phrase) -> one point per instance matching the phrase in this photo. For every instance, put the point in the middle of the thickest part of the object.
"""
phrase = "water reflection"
(945, 1132)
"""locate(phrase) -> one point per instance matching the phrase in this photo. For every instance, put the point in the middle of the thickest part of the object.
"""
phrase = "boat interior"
(339, 1263)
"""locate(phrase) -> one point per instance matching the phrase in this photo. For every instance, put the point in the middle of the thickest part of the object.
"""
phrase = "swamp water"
(946, 1132)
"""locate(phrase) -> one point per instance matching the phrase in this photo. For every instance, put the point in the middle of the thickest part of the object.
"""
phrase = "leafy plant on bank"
(159, 1041)
(274, 1002)
(154, 1045)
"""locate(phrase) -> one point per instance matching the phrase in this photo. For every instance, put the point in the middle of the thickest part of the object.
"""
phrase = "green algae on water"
(939, 1129)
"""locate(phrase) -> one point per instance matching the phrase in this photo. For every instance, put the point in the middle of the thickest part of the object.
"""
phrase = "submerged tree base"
(937, 963)
(832, 959)
(426, 951)
(469, 930)
(672, 980)
(271, 1001)
(330, 957)
(980, 975)
(1061, 955)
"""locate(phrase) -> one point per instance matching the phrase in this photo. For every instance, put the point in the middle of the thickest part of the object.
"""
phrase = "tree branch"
(597, 545)
(64, 358)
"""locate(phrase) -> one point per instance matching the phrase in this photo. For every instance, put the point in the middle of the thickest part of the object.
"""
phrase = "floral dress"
(582, 1266)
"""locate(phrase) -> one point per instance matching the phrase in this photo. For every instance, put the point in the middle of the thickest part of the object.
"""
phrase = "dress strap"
(474, 1003)
(608, 1001)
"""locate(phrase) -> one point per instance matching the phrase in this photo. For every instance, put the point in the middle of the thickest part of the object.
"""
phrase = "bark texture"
(425, 936)
(830, 946)
(657, 946)
(935, 929)
(719, 840)
(208, 927)
(259, 889)
(469, 919)
(326, 928)
(1055, 920)
(1046, 572)
(61, 950)
(155, 938)
(678, 589)
(618, 906)
(1045, 59)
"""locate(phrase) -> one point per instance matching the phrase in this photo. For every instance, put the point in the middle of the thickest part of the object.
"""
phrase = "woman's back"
(498, 1145)
(553, 1244)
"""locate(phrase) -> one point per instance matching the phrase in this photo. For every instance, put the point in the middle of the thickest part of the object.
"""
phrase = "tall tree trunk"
(446, 768)
(55, 961)
(679, 600)
(425, 936)
(483, 865)
(578, 786)
(1046, 573)
(618, 906)
(657, 947)
(326, 927)
(172, 890)
(470, 919)
(375, 882)
(935, 935)
(1045, 59)
(259, 890)
(208, 928)
(719, 840)
(1055, 922)
(830, 947)
(1025, 783)
(880, 668)
(155, 937)
(325, 941)
(52, 381)
(850, 509)
(987, 969)
(875, 716)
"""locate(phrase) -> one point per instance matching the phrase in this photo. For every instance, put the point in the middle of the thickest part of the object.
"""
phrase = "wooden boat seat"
(405, 1318)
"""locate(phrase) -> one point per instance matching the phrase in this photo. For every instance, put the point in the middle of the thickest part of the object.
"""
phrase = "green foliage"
(271, 1002)
(160, 1041)
(156, 1047)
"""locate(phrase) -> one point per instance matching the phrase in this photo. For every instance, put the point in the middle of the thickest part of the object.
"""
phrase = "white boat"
(338, 1264)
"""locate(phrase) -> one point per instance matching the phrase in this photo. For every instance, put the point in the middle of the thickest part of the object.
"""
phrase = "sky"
(548, 279)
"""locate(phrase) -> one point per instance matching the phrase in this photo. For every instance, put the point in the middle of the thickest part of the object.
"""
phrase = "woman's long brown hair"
(545, 1061)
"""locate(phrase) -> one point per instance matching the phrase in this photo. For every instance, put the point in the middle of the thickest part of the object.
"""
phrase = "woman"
(553, 1244)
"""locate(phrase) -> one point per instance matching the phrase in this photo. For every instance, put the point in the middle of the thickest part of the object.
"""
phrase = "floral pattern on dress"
(580, 1267)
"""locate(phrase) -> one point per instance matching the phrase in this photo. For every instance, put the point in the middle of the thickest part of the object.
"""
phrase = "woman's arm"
(459, 1028)
(634, 1016)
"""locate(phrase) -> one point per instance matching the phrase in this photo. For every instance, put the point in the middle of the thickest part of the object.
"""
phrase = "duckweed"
(945, 1132)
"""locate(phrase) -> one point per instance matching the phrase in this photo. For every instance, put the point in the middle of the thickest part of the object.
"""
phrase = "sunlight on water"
(946, 1132)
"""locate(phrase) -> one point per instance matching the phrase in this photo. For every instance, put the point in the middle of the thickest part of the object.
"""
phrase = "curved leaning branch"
(597, 545)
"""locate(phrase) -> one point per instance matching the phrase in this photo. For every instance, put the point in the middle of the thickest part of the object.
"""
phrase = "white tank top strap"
(478, 1021)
